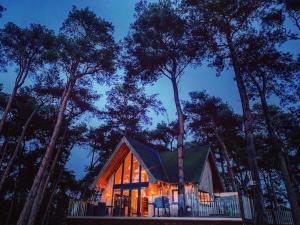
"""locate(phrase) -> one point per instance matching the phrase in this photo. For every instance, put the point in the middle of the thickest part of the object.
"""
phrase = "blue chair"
(162, 203)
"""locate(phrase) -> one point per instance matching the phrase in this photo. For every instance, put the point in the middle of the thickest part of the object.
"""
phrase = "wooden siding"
(206, 183)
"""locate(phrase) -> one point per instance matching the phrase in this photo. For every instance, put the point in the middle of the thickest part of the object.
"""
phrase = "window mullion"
(131, 166)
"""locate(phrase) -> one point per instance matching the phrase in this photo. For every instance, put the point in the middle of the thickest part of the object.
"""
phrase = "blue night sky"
(51, 13)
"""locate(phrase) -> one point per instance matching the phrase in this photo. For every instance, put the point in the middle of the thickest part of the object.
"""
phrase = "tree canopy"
(77, 89)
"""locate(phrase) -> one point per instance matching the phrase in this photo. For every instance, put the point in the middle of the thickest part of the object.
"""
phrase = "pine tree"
(160, 45)
(86, 53)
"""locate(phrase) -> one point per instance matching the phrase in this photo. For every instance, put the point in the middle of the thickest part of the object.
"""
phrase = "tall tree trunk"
(16, 150)
(43, 185)
(3, 151)
(270, 195)
(19, 81)
(8, 107)
(51, 196)
(42, 172)
(11, 207)
(277, 146)
(90, 170)
(227, 158)
(271, 182)
(260, 215)
(180, 149)
(268, 188)
(223, 160)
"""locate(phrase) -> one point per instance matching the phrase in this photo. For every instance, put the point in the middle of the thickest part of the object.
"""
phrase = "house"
(138, 185)
(136, 175)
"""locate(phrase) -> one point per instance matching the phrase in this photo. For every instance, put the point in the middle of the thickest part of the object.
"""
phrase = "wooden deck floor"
(152, 221)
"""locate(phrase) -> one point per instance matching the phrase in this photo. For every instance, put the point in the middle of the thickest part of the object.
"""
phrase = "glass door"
(144, 202)
(134, 202)
(125, 203)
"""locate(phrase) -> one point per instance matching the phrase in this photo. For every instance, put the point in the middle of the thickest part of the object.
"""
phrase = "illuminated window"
(127, 165)
(118, 175)
(130, 189)
(117, 198)
(204, 197)
(134, 202)
(135, 170)
(144, 202)
(144, 176)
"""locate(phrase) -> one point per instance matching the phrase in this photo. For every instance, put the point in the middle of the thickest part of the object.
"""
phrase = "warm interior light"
(204, 197)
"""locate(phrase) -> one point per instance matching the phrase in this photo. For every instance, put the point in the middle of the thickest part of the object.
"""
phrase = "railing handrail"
(220, 208)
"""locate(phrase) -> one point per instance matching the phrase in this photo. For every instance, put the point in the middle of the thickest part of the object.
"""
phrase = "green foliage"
(292, 5)
(87, 47)
(28, 48)
(128, 108)
(206, 114)
(165, 38)
(26, 165)
(267, 70)
(159, 43)
(164, 135)
(2, 9)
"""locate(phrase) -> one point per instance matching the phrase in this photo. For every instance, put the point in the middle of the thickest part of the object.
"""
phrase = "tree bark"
(8, 107)
(227, 158)
(43, 186)
(12, 201)
(4, 150)
(268, 188)
(260, 215)
(42, 172)
(270, 195)
(277, 146)
(271, 181)
(222, 158)
(51, 196)
(16, 150)
(180, 149)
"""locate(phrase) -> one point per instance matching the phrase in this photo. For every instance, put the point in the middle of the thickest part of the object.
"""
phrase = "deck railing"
(216, 209)
(280, 217)
(77, 208)
(219, 207)
(195, 208)
(228, 208)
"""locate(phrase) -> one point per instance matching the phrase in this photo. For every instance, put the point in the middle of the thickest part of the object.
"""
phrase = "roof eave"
(93, 186)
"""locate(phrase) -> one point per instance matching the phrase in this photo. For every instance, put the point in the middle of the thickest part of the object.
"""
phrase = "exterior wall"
(206, 182)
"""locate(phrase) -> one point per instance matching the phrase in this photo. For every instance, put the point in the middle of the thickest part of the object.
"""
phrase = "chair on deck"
(100, 209)
(162, 203)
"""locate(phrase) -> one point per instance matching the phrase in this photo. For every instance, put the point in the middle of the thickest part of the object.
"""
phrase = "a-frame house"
(137, 174)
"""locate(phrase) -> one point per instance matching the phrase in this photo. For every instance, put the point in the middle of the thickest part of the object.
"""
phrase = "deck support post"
(241, 204)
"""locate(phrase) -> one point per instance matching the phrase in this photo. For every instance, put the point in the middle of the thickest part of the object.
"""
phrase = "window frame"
(129, 186)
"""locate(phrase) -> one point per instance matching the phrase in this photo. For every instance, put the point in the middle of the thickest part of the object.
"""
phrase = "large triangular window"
(130, 171)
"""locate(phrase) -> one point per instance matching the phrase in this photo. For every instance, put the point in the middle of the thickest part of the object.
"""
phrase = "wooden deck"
(152, 221)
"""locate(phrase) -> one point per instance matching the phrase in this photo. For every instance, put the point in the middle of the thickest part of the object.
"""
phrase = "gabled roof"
(162, 165)
(194, 161)
(150, 157)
